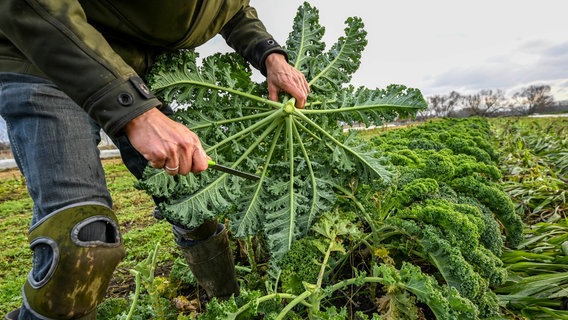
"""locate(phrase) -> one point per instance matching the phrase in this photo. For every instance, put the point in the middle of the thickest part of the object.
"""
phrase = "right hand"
(281, 76)
(166, 144)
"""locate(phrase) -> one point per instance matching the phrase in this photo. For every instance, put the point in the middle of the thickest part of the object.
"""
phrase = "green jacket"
(98, 51)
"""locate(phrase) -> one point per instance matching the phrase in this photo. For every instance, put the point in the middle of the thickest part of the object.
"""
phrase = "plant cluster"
(425, 245)
(447, 205)
(408, 225)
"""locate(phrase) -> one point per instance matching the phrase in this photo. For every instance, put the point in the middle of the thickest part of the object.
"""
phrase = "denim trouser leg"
(54, 142)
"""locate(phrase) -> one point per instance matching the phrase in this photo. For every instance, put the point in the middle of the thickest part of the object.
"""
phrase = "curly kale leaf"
(448, 236)
(491, 196)
(455, 153)
(305, 43)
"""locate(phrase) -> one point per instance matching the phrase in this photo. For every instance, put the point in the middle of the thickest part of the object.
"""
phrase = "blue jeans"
(54, 142)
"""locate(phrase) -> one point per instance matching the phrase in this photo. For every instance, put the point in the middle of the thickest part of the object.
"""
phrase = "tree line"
(490, 103)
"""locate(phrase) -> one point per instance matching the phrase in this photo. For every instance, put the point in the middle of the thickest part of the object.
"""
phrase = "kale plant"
(447, 205)
(299, 154)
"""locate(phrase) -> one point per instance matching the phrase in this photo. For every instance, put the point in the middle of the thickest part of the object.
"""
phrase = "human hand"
(166, 144)
(281, 76)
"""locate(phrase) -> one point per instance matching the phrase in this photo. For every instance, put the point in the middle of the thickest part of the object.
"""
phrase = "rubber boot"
(211, 262)
(13, 315)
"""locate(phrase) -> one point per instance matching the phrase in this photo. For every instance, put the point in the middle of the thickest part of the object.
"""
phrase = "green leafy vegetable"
(299, 154)
(446, 204)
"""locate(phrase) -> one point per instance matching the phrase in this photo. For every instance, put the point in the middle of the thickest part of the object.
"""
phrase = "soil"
(10, 174)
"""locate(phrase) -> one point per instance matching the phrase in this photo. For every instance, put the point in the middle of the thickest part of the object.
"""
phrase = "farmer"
(71, 67)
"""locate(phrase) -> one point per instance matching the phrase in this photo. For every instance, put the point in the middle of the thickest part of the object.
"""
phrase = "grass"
(140, 231)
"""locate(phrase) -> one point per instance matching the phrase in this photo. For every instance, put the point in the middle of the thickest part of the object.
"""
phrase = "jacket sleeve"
(245, 26)
(56, 38)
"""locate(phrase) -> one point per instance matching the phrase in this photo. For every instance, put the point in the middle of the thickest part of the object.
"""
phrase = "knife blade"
(246, 175)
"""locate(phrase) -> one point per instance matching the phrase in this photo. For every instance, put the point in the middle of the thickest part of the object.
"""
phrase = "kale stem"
(290, 134)
(292, 304)
(251, 255)
(252, 128)
(356, 108)
(208, 85)
(359, 205)
(226, 121)
(325, 260)
(308, 131)
(136, 295)
(312, 176)
(301, 115)
(263, 299)
(315, 297)
(258, 140)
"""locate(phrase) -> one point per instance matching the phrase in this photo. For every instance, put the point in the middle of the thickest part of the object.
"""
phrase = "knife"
(246, 175)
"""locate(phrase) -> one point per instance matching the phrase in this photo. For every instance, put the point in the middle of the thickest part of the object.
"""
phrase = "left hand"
(281, 76)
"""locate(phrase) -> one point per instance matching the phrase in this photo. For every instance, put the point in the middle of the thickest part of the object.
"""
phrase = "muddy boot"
(210, 258)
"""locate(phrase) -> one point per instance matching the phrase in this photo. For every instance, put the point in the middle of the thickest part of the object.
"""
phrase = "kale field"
(443, 219)
(473, 227)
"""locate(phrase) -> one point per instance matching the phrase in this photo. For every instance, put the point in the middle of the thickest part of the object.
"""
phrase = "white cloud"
(443, 45)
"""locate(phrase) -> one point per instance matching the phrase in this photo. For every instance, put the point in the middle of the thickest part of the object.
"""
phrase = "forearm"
(247, 35)
(57, 39)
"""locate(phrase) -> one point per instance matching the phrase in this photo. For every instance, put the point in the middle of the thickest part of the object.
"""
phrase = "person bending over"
(69, 68)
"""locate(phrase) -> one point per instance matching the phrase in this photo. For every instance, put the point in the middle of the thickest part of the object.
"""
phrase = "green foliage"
(533, 175)
(181, 273)
(444, 211)
(461, 177)
(220, 310)
(445, 302)
(297, 265)
(448, 207)
(416, 190)
(448, 238)
(299, 154)
(153, 304)
(439, 166)
(535, 165)
(490, 195)
(403, 288)
(112, 308)
(469, 147)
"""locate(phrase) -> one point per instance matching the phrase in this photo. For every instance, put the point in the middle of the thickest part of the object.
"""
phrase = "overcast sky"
(442, 45)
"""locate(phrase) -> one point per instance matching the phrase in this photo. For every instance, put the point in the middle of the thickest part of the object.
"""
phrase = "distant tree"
(536, 98)
(442, 106)
(485, 103)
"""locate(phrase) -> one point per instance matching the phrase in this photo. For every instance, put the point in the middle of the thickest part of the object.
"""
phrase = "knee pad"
(86, 245)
